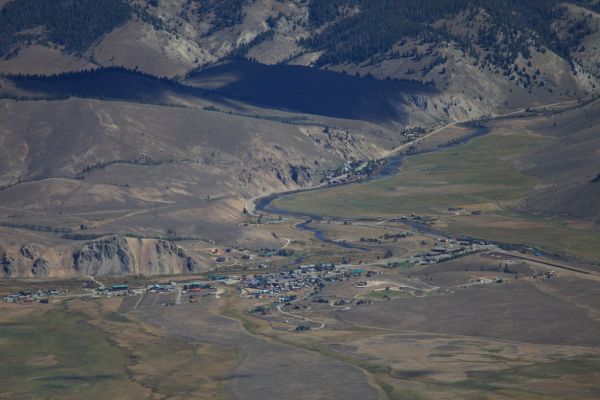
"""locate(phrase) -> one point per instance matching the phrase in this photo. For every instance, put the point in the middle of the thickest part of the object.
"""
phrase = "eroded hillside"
(160, 120)
(79, 169)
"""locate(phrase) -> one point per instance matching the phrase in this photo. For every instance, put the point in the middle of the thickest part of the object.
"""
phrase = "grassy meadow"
(79, 348)
(482, 175)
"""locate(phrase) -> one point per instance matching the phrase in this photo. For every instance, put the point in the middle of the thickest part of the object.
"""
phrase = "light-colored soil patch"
(46, 361)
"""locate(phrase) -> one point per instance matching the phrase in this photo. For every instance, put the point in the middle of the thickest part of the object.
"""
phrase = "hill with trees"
(74, 25)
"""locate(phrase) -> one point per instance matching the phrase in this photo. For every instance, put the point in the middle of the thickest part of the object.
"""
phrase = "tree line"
(72, 24)
(225, 13)
(512, 27)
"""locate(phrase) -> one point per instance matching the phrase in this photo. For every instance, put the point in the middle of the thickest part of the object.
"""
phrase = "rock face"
(104, 257)
(118, 255)
(300, 174)
(7, 264)
(30, 252)
(41, 268)
(110, 256)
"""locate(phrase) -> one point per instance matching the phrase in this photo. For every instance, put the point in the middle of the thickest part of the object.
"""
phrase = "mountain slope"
(72, 164)
(569, 166)
(487, 55)
(161, 119)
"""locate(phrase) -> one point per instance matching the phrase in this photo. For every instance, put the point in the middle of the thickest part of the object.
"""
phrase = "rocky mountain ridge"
(107, 256)
(514, 53)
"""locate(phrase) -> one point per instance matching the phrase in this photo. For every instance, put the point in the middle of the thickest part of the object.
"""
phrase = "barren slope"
(92, 168)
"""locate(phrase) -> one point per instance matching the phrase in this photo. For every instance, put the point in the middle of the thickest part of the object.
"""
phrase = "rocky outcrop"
(192, 265)
(7, 264)
(166, 247)
(41, 268)
(109, 256)
(300, 174)
(104, 257)
(30, 252)
(118, 255)
(165, 250)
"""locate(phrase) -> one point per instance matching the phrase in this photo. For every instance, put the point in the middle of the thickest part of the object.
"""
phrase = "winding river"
(391, 167)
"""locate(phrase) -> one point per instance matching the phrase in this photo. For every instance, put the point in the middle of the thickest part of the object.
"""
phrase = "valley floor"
(447, 280)
(505, 186)
(464, 329)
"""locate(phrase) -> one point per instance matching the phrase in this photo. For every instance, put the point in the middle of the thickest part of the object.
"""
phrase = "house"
(191, 285)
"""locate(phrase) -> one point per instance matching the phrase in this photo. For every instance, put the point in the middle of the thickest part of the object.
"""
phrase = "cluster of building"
(487, 281)
(310, 278)
(36, 296)
(192, 290)
(449, 249)
(544, 275)
(125, 290)
(119, 290)
(414, 133)
(161, 288)
(275, 285)
(353, 171)
(266, 252)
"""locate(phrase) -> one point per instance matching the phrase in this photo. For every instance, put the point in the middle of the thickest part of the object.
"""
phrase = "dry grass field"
(78, 348)
(478, 175)
(127, 154)
(504, 186)
(425, 332)
(526, 338)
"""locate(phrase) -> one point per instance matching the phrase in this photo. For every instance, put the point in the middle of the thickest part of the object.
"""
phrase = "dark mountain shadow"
(113, 83)
(291, 88)
(310, 90)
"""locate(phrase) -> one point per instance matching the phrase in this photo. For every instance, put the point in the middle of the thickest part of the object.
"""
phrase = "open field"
(476, 175)
(427, 366)
(55, 354)
(265, 368)
(555, 235)
(448, 330)
(82, 347)
(490, 188)
(490, 312)
(526, 338)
